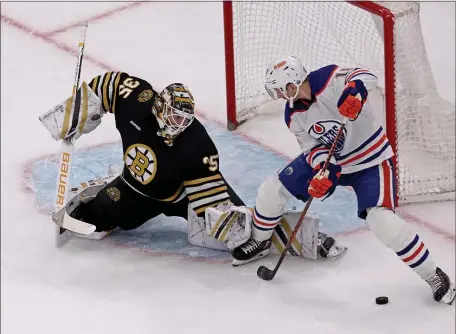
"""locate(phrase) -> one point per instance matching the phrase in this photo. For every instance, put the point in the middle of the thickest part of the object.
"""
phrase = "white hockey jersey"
(315, 122)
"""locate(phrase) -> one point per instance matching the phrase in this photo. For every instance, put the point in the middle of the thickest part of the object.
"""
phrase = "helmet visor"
(175, 119)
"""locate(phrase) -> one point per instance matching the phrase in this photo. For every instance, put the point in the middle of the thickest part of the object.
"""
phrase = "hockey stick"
(66, 150)
(267, 274)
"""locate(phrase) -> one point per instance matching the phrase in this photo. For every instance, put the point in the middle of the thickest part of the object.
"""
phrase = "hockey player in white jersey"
(316, 103)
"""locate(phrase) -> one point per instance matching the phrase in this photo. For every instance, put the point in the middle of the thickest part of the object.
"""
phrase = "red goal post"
(382, 36)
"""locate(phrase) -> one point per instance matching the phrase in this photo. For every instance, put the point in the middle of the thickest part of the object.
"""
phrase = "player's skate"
(250, 251)
(328, 247)
(442, 288)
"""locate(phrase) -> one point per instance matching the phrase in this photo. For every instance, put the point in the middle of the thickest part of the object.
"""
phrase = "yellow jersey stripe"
(207, 193)
(94, 86)
(175, 195)
(105, 93)
(204, 179)
(115, 91)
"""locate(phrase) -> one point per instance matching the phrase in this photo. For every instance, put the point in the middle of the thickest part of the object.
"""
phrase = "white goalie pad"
(197, 234)
(74, 116)
(229, 224)
(226, 229)
(306, 241)
(84, 193)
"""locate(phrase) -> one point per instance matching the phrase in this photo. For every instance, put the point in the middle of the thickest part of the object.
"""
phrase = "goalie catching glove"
(74, 116)
(352, 99)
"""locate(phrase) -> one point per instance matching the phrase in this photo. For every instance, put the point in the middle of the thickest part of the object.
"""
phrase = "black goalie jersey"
(189, 168)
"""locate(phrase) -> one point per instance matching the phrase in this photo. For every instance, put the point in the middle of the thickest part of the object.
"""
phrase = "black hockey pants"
(118, 205)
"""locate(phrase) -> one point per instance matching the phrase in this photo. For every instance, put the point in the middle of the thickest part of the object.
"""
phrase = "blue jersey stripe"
(375, 156)
(319, 78)
(363, 145)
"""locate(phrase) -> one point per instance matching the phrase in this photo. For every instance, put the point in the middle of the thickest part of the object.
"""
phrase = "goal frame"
(390, 78)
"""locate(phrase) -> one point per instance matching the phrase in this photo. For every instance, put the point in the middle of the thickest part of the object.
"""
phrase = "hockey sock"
(396, 234)
(270, 205)
(263, 226)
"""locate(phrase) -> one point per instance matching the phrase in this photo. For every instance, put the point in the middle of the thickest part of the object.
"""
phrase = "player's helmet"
(174, 110)
(285, 70)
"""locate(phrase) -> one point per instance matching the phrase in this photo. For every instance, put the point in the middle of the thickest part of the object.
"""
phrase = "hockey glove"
(352, 99)
(324, 183)
(66, 120)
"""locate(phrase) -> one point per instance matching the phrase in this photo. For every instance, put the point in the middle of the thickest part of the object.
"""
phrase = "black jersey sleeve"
(117, 88)
(205, 186)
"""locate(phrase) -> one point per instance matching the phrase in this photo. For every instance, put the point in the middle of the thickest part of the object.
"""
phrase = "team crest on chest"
(141, 162)
(326, 131)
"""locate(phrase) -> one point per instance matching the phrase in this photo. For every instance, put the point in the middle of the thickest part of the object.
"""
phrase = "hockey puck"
(381, 300)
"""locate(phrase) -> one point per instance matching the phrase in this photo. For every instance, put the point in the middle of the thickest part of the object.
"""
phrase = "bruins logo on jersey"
(141, 162)
(145, 95)
(113, 193)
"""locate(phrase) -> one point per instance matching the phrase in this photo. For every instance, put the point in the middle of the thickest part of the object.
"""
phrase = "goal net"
(384, 37)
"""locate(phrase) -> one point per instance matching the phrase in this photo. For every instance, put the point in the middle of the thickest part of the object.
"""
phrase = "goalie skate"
(251, 251)
(329, 248)
(68, 217)
(71, 223)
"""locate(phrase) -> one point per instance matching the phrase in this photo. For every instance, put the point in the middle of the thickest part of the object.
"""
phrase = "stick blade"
(265, 273)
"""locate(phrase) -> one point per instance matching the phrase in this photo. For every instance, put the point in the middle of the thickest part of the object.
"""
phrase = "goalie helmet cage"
(382, 36)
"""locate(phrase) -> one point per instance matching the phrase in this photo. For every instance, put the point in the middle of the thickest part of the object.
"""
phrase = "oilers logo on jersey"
(326, 131)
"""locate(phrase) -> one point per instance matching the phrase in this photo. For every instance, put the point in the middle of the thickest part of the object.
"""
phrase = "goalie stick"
(66, 150)
(267, 274)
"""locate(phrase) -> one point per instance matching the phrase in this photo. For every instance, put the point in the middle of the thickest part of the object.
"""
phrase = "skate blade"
(237, 263)
(336, 253)
(449, 296)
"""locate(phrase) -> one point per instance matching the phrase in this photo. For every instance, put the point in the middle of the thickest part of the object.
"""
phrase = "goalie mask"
(284, 71)
(174, 110)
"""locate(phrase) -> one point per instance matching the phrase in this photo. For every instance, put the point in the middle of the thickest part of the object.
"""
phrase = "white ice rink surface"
(94, 287)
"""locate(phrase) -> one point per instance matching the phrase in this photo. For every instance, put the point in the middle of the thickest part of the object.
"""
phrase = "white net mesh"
(323, 33)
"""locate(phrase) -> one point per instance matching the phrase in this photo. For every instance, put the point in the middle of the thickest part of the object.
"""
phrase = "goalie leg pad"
(306, 241)
(396, 234)
(229, 224)
(198, 235)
